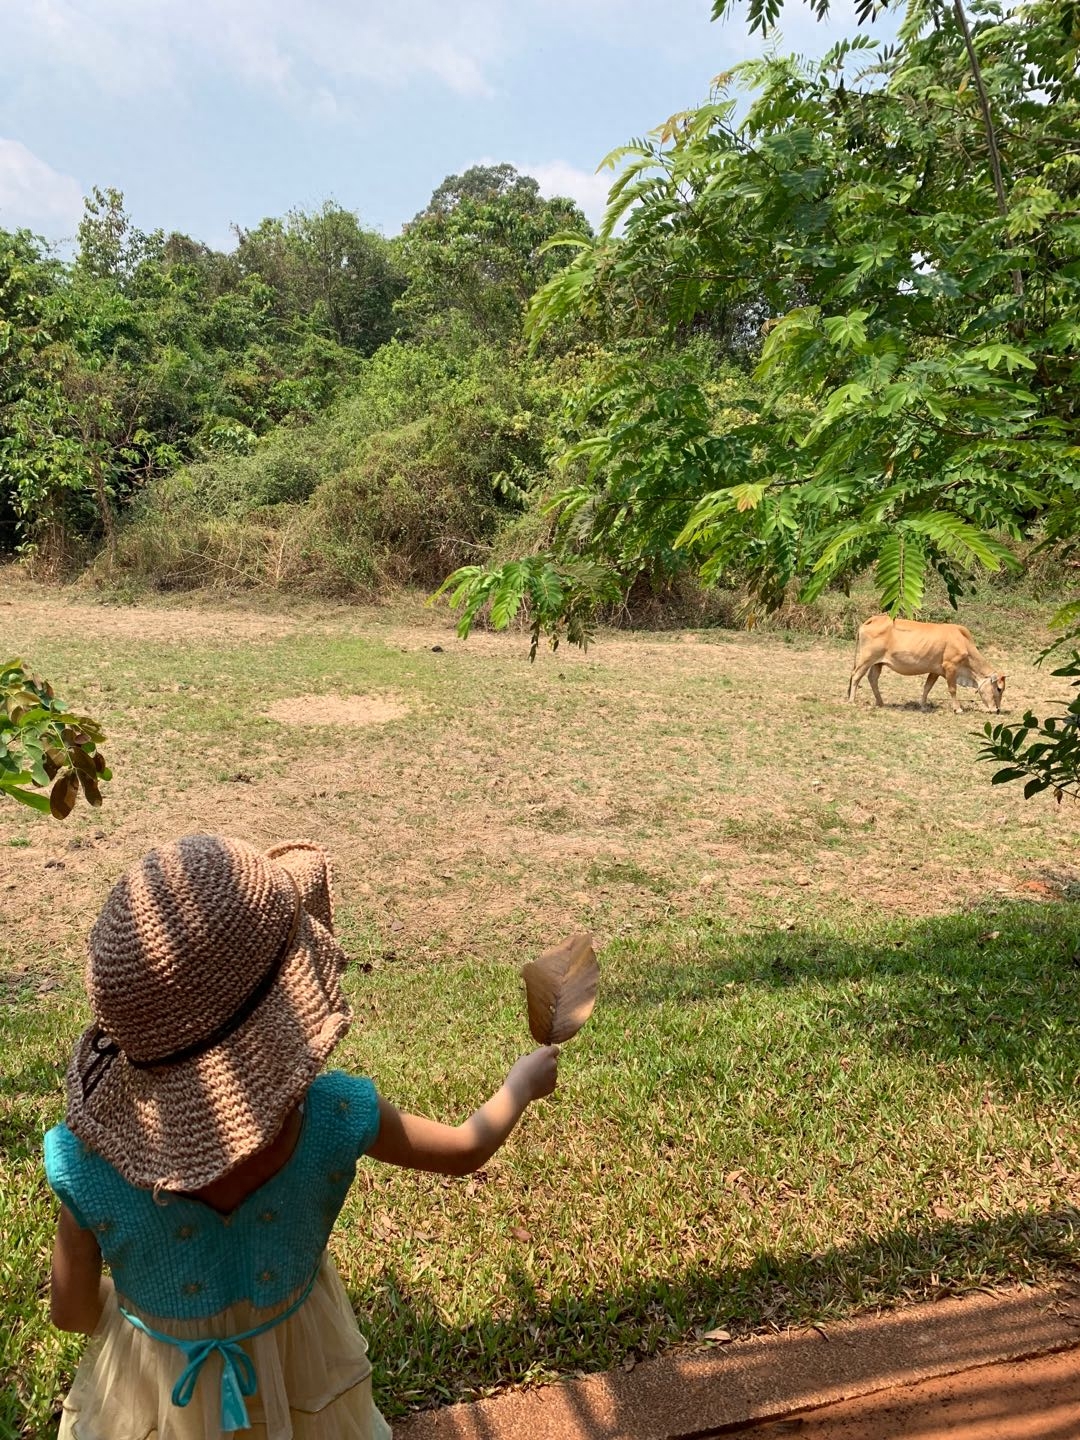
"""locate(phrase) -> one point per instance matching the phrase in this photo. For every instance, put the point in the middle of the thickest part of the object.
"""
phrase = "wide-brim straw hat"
(215, 981)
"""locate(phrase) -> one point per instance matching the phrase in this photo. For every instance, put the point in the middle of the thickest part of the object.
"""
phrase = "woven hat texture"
(186, 942)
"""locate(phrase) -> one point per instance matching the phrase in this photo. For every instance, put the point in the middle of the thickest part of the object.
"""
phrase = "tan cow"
(911, 647)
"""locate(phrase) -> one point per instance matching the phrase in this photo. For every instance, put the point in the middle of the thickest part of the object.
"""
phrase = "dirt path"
(1027, 1400)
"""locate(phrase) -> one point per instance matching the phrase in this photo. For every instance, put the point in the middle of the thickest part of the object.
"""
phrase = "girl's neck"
(233, 1188)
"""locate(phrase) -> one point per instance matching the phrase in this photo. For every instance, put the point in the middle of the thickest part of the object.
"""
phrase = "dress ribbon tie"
(238, 1379)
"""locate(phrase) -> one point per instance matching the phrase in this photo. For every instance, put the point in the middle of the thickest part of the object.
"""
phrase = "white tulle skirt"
(313, 1371)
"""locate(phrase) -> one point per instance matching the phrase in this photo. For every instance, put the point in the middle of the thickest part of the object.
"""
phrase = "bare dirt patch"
(60, 612)
(655, 775)
(337, 710)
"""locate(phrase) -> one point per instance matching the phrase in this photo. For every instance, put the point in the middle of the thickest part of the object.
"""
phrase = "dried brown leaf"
(90, 788)
(560, 988)
(62, 796)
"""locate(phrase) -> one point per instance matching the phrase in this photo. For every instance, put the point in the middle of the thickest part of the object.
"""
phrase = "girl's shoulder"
(75, 1171)
(341, 1123)
(347, 1105)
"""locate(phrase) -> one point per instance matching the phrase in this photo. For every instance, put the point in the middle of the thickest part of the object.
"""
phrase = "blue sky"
(208, 113)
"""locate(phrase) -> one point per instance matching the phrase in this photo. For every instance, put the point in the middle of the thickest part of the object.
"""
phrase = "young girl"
(205, 1158)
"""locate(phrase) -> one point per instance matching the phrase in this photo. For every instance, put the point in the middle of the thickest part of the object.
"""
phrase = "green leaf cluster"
(559, 596)
(44, 747)
(1045, 754)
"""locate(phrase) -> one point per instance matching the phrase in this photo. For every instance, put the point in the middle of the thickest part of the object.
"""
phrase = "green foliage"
(483, 185)
(43, 745)
(560, 596)
(326, 267)
(111, 248)
(410, 475)
(148, 351)
(641, 428)
(917, 384)
(40, 463)
(1045, 754)
(478, 252)
(167, 399)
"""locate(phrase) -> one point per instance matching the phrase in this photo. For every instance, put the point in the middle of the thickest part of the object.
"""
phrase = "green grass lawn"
(834, 1062)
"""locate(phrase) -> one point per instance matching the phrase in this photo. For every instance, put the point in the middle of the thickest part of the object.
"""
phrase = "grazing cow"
(911, 647)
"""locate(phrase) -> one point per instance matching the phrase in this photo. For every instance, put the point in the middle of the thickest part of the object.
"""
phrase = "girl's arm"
(421, 1144)
(78, 1291)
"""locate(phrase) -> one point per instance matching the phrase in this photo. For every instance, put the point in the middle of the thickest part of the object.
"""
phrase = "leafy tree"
(39, 464)
(110, 246)
(327, 267)
(475, 256)
(482, 185)
(917, 385)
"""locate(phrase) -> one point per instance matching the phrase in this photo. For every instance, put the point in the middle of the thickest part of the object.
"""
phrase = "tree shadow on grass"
(995, 989)
(420, 1360)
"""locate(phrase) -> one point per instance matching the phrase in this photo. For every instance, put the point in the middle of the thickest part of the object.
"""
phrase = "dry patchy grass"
(498, 799)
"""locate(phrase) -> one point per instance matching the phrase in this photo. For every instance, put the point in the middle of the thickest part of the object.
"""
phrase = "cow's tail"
(854, 664)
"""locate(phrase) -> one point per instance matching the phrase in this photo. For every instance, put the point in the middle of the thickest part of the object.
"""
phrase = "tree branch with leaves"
(48, 753)
(911, 410)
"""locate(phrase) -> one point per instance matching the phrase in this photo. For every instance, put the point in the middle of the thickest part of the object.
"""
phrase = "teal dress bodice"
(178, 1258)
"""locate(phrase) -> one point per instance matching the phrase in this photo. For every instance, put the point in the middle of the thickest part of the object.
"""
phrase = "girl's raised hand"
(535, 1075)
(422, 1144)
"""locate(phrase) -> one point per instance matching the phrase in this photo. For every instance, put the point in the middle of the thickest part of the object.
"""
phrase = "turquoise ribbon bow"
(238, 1379)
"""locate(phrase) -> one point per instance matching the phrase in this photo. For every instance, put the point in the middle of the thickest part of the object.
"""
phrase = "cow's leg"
(950, 680)
(856, 680)
(931, 681)
(872, 675)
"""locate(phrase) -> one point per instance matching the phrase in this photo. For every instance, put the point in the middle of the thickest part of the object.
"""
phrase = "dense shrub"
(413, 473)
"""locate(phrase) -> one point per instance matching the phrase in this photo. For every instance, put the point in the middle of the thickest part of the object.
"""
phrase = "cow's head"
(992, 688)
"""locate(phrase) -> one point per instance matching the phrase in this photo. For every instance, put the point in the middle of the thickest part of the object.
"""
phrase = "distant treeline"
(319, 407)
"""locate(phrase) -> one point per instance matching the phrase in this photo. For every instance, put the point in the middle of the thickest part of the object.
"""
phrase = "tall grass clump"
(408, 477)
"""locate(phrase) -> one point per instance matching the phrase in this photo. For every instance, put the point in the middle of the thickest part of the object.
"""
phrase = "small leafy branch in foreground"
(43, 744)
(1044, 753)
(560, 596)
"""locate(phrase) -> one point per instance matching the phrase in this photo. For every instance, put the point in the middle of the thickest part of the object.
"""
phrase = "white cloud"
(558, 177)
(335, 54)
(34, 196)
(303, 50)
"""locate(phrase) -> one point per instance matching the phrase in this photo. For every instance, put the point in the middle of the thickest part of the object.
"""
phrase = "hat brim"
(309, 865)
(185, 1125)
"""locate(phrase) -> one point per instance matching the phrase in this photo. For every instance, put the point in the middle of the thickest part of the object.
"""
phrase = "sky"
(214, 113)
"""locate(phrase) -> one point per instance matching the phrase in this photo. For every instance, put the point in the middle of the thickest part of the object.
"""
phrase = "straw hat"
(214, 978)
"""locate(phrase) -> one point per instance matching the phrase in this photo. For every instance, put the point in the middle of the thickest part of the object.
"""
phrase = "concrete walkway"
(1035, 1399)
(786, 1377)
